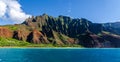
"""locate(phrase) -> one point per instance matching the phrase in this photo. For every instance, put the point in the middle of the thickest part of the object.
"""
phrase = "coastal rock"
(112, 38)
(21, 34)
(37, 37)
(63, 30)
(5, 32)
(91, 40)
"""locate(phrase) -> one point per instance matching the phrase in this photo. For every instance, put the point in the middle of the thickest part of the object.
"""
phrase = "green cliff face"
(62, 31)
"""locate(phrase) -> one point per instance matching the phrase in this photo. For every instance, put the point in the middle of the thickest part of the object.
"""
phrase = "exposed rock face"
(55, 28)
(21, 35)
(113, 39)
(100, 42)
(34, 37)
(91, 40)
(5, 32)
(112, 27)
(72, 41)
(87, 40)
(64, 30)
(37, 37)
(62, 39)
(63, 24)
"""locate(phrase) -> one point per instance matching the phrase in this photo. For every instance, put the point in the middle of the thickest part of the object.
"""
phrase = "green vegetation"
(12, 27)
(12, 42)
(70, 45)
(63, 37)
(8, 42)
(51, 45)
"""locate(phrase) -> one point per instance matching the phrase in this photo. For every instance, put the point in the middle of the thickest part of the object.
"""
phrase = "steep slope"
(112, 38)
(62, 31)
(54, 28)
(37, 37)
(5, 32)
(112, 27)
(63, 24)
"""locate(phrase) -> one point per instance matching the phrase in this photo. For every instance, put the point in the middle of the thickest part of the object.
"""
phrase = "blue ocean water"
(59, 55)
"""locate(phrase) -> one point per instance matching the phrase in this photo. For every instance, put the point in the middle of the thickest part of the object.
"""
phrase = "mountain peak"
(63, 30)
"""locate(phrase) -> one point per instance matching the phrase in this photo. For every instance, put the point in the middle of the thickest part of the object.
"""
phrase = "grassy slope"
(8, 42)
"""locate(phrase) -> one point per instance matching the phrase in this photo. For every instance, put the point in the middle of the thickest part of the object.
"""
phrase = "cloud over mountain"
(11, 10)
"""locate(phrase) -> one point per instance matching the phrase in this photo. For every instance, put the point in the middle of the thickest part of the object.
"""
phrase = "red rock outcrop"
(21, 35)
(5, 32)
(71, 41)
(37, 37)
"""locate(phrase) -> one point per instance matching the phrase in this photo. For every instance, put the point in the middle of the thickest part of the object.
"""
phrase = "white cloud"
(2, 8)
(11, 10)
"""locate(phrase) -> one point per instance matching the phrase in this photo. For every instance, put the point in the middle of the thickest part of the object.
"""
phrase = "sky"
(97, 11)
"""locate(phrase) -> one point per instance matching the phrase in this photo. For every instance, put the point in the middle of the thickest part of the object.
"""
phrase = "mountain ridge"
(64, 30)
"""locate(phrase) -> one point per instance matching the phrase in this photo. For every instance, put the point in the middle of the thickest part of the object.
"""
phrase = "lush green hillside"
(60, 31)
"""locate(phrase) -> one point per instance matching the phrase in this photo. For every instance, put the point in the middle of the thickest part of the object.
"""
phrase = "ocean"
(59, 55)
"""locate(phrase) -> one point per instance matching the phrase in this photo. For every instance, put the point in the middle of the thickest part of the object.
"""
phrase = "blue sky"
(98, 11)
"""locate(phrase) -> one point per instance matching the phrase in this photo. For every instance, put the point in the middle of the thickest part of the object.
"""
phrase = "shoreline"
(55, 48)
